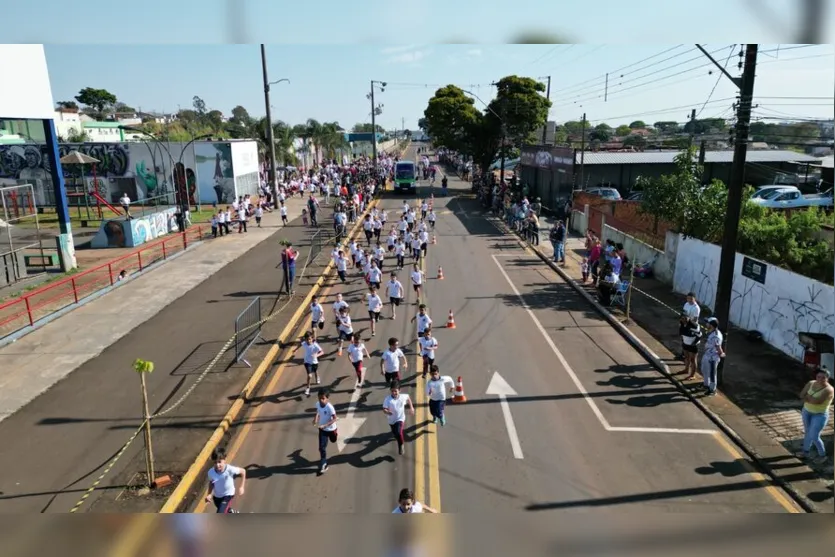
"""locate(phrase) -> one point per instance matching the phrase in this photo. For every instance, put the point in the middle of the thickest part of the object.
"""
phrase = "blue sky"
(330, 82)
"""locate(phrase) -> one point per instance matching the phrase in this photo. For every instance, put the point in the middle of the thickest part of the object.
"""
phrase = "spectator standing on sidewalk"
(817, 398)
(557, 238)
(692, 311)
(690, 333)
(712, 355)
(288, 264)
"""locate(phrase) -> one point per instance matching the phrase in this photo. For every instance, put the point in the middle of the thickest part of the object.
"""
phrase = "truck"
(405, 177)
(789, 197)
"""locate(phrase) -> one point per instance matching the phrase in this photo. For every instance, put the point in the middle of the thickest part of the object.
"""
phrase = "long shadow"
(647, 497)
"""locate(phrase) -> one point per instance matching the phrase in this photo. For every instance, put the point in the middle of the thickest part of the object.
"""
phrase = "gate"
(21, 241)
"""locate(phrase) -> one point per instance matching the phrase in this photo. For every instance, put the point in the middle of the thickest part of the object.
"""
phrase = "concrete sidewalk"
(758, 400)
(40, 359)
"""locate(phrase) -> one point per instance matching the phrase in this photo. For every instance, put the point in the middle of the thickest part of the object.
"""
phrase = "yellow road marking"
(775, 492)
(420, 458)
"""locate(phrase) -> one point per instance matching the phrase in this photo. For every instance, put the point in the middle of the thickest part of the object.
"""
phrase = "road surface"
(561, 415)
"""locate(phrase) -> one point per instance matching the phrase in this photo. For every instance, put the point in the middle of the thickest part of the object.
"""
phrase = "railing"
(26, 310)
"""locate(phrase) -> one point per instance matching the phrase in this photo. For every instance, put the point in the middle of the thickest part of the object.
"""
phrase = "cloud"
(389, 50)
(410, 57)
(467, 56)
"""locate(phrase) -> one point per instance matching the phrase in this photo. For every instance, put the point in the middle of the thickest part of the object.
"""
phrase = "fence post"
(74, 290)
(185, 240)
(110, 272)
(629, 293)
(139, 257)
(164, 254)
(29, 311)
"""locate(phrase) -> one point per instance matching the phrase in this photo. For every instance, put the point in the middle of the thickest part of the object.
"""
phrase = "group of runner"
(410, 236)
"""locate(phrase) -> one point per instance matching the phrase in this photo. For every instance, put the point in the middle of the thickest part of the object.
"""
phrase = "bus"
(405, 176)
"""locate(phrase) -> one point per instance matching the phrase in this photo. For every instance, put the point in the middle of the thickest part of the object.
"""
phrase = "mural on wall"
(27, 162)
(185, 180)
(786, 305)
(214, 168)
(150, 227)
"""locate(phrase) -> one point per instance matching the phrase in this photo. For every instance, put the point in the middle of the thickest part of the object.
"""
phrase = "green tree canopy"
(422, 124)
(521, 105)
(601, 132)
(574, 127)
(638, 125)
(637, 141)
(623, 130)
(97, 99)
(367, 128)
(70, 105)
(667, 126)
(450, 116)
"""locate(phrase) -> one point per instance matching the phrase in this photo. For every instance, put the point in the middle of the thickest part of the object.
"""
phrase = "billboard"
(27, 93)
(215, 179)
(548, 158)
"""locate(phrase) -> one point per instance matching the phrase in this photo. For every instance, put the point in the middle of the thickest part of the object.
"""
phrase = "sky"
(330, 82)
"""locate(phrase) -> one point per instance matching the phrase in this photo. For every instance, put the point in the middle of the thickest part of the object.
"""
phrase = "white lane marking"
(501, 388)
(594, 408)
(349, 425)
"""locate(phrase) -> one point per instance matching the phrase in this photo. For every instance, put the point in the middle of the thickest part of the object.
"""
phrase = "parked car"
(605, 193)
(768, 191)
(791, 198)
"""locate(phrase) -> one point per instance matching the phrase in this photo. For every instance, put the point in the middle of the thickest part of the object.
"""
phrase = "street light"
(375, 111)
(270, 134)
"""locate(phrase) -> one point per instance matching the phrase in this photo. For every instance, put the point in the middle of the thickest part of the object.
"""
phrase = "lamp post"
(270, 134)
(375, 110)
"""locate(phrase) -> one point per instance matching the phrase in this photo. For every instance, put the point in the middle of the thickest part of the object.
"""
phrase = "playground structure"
(21, 243)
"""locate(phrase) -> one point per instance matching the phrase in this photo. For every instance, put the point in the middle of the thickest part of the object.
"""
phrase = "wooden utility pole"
(545, 127)
(583, 155)
(143, 367)
(724, 285)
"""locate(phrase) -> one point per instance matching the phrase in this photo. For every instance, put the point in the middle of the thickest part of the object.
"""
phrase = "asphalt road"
(56, 446)
(595, 427)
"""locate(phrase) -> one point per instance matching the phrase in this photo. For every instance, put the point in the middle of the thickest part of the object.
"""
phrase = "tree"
(623, 130)
(485, 133)
(601, 132)
(638, 125)
(96, 99)
(635, 140)
(449, 117)
(68, 105)
(122, 107)
(199, 106)
(667, 126)
(187, 117)
(705, 125)
(575, 128)
(77, 136)
(367, 128)
(214, 121)
(521, 106)
(422, 125)
(407, 133)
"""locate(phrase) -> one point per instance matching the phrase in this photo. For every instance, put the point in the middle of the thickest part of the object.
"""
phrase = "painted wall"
(784, 306)
(663, 262)
(135, 232)
(28, 93)
(215, 179)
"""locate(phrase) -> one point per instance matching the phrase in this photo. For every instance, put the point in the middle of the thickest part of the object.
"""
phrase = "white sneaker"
(318, 380)
(307, 391)
(357, 386)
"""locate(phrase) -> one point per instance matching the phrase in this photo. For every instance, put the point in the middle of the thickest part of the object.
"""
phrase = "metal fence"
(247, 329)
(21, 242)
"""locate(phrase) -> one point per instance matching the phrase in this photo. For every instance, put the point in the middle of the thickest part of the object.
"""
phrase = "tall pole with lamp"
(270, 132)
(375, 110)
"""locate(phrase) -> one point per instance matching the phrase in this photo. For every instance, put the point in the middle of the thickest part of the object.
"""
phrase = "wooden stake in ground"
(629, 292)
(143, 367)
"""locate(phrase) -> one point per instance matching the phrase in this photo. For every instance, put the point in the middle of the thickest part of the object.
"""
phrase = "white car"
(768, 191)
(791, 198)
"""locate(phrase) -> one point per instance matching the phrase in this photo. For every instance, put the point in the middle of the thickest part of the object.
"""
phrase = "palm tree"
(302, 132)
(315, 132)
(284, 140)
(333, 139)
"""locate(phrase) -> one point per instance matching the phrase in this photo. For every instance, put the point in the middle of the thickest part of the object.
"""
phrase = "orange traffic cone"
(434, 239)
(440, 273)
(459, 392)
(450, 321)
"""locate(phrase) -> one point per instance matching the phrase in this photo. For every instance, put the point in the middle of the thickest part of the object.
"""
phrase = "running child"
(375, 305)
(417, 276)
(325, 420)
(394, 292)
(375, 275)
(357, 352)
(424, 322)
(312, 352)
(379, 255)
(407, 504)
(391, 362)
(431, 218)
(342, 264)
(428, 345)
(437, 393)
(222, 482)
(394, 406)
(317, 316)
(345, 328)
(400, 253)
(338, 305)
(283, 211)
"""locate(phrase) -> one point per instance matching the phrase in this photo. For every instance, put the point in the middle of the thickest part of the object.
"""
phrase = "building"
(622, 170)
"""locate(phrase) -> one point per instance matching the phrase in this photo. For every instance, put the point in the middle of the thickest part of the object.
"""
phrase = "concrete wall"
(784, 306)
(135, 232)
(663, 262)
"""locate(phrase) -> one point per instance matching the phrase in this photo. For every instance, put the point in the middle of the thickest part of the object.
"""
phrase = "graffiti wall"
(215, 177)
(779, 305)
(135, 232)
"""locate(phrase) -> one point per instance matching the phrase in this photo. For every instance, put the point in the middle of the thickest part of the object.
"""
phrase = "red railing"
(27, 309)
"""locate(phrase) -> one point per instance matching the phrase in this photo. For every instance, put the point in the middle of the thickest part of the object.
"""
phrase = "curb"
(175, 500)
(658, 364)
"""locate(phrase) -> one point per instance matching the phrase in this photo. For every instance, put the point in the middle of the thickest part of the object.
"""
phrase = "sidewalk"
(69, 400)
(758, 400)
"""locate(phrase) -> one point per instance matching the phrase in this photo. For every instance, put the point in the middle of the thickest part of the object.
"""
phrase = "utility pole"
(270, 136)
(606, 89)
(547, 96)
(692, 126)
(373, 131)
(724, 286)
(583, 155)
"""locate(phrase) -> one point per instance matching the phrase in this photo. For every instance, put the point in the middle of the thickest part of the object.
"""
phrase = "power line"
(603, 77)
(659, 111)
(718, 79)
(547, 54)
(621, 89)
(592, 51)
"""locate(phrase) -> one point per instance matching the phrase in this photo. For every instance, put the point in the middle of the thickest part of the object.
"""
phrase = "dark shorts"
(416, 286)
(311, 368)
(395, 301)
(357, 366)
(694, 349)
(223, 504)
(391, 248)
(374, 316)
(319, 324)
(374, 284)
(345, 336)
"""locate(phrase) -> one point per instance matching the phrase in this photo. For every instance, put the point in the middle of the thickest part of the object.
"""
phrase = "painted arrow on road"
(350, 424)
(501, 388)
